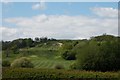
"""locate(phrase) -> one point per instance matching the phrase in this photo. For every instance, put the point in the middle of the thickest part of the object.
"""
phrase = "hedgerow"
(55, 74)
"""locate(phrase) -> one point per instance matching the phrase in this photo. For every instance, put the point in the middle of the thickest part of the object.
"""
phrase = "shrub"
(58, 66)
(67, 46)
(69, 55)
(5, 63)
(22, 62)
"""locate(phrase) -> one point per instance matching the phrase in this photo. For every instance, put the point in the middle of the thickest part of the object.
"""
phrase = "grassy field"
(42, 56)
(46, 63)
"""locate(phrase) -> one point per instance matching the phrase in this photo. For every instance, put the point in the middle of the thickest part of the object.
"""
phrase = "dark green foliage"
(24, 43)
(17, 44)
(103, 37)
(86, 57)
(15, 49)
(100, 56)
(43, 39)
(110, 52)
(5, 63)
(5, 45)
(7, 52)
(67, 51)
(69, 55)
(55, 74)
(22, 62)
(59, 66)
(29, 42)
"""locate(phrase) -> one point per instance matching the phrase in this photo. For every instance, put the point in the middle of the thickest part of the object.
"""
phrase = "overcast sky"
(60, 20)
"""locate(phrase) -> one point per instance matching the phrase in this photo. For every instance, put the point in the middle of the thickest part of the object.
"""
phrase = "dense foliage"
(103, 55)
(67, 51)
(69, 55)
(6, 63)
(17, 44)
(24, 43)
(55, 74)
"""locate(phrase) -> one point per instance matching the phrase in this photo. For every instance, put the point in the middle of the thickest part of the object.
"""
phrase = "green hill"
(48, 53)
(43, 55)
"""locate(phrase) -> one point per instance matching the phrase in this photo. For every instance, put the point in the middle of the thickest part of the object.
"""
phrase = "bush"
(67, 46)
(58, 66)
(5, 63)
(22, 62)
(67, 51)
(69, 55)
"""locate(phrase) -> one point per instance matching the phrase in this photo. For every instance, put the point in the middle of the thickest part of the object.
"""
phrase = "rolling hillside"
(44, 55)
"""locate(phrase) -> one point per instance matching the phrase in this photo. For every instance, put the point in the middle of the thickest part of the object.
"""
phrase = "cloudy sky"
(60, 20)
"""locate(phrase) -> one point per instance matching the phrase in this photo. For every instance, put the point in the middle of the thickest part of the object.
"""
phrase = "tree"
(87, 56)
(5, 45)
(15, 49)
(29, 42)
(103, 37)
(43, 39)
(37, 39)
(102, 57)
(67, 51)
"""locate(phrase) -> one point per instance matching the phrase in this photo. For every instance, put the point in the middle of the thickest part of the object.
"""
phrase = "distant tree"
(18, 43)
(43, 39)
(37, 39)
(5, 45)
(52, 39)
(15, 49)
(29, 42)
(103, 37)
